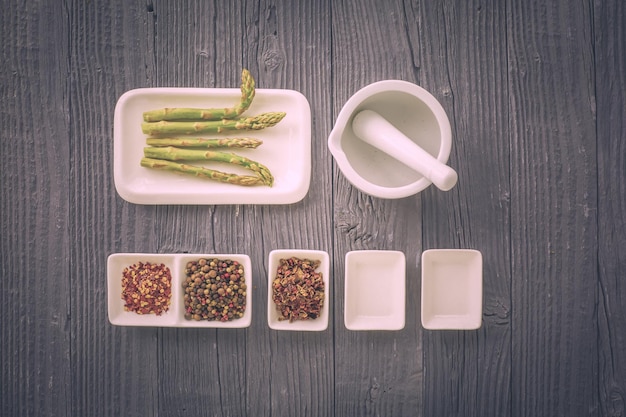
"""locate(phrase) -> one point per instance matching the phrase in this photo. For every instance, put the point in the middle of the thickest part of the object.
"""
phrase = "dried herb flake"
(298, 290)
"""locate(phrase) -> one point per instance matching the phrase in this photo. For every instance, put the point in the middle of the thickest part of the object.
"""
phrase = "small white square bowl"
(318, 324)
(375, 290)
(452, 289)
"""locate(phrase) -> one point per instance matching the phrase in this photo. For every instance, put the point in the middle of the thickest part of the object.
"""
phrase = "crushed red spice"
(147, 288)
(298, 291)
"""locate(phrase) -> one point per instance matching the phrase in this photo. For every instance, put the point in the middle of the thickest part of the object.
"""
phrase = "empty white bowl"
(410, 109)
(452, 289)
(318, 324)
(375, 290)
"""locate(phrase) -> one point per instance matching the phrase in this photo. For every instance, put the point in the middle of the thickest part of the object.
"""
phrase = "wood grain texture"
(536, 97)
(376, 373)
(187, 53)
(113, 368)
(464, 64)
(35, 244)
(610, 61)
(554, 204)
(284, 47)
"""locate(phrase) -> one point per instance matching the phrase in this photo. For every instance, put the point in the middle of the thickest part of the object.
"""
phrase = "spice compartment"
(243, 260)
(375, 290)
(452, 284)
(175, 315)
(321, 322)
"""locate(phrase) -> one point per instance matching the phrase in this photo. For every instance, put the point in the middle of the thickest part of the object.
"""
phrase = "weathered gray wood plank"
(114, 370)
(610, 61)
(288, 42)
(554, 206)
(196, 47)
(468, 372)
(376, 372)
(35, 200)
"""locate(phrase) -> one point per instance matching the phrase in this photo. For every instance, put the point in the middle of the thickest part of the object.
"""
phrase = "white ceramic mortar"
(410, 109)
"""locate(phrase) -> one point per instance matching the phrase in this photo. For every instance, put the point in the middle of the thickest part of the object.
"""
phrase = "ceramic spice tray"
(175, 315)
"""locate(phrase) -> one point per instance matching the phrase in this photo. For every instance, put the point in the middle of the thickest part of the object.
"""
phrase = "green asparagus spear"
(205, 142)
(171, 153)
(176, 113)
(201, 172)
(218, 126)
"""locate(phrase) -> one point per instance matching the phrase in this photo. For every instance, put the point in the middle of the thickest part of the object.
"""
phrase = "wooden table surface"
(535, 92)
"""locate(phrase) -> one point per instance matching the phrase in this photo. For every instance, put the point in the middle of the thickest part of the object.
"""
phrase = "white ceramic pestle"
(375, 130)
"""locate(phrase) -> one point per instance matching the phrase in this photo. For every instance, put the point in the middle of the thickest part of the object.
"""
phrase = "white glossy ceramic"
(175, 316)
(414, 112)
(452, 284)
(375, 130)
(318, 324)
(375, 290)
(289, 140)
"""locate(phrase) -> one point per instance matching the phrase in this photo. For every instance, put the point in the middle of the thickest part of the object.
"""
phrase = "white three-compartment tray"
(286, 149)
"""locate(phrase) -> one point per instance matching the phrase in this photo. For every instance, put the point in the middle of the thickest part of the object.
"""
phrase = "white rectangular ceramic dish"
(318, 324)
(375, 290)
(286, 149)
(452, 284)
(175, 316)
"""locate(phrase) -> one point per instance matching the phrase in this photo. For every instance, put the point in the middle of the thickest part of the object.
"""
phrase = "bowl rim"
(347, 112)
(393, 321)
(472, 318)
(319, 324)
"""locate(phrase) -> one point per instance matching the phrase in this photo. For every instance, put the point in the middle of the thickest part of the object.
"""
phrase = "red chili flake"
(147, 288)
(298, 291)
